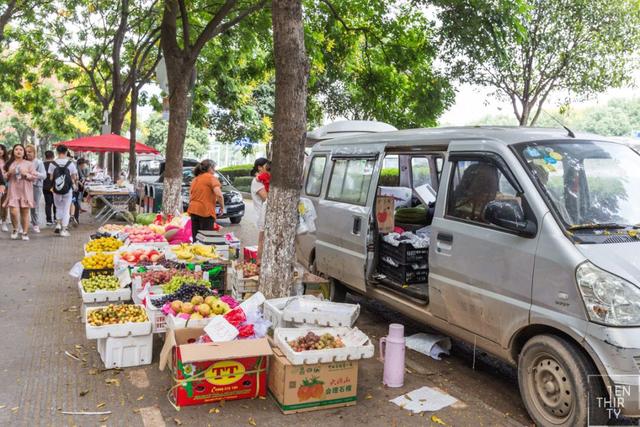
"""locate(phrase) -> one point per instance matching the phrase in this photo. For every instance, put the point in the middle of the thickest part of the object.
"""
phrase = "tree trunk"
(178, 115)
(132, 130)
(290, 122)
(118, 111)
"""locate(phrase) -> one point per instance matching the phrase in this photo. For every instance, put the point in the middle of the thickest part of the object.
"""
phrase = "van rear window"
(350, 180)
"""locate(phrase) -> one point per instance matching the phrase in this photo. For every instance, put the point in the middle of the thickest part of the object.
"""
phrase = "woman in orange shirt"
(205, 192)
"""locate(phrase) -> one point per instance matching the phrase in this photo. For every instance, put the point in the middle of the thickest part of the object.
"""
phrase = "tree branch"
(6, 17)
(184, 18)
(210, 29)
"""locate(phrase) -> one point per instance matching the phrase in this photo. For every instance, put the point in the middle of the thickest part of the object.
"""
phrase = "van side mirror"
(509, 214)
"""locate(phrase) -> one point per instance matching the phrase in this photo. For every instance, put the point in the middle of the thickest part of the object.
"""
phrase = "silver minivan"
(534, 252)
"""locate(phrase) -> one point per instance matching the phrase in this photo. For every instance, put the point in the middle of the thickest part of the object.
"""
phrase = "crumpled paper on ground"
(424, 399)
(430, 345)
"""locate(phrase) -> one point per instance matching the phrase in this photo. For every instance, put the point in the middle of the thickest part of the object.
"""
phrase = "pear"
(196, 316)
(204, 310)
(197, 300)
(176, 306)
(187, 307)
(210, 300)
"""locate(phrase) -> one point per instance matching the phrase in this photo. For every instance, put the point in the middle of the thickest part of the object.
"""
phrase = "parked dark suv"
(233, 201)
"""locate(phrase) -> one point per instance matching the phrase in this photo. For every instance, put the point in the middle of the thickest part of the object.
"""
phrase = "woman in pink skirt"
(20, 174)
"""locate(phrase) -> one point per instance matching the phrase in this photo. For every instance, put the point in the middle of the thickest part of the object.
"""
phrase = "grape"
(179, 280)
(184, 293)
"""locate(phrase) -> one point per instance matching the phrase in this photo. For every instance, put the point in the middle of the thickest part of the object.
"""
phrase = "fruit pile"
(117, 314)
(164, 276)
(312, 341)
(111, 228)
(100, 282)
(185, 293)
(199, 307)
(250, 269)
(103, 244)
(140, 256)
(187, 252)
(179, 281)
(98, 261)
(143, 234)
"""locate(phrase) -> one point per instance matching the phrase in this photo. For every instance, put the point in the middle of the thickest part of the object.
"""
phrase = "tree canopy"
(154, 133)
(526, 49)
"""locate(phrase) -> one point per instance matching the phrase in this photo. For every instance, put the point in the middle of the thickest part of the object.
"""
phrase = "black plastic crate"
(404, 253)
(403, 274)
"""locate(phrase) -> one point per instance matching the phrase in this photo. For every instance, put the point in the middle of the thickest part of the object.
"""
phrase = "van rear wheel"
(337, 291)
(559, 384)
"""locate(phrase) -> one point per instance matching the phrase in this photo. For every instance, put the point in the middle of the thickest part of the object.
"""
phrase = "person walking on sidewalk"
(4, 216)
(63, 175)
(259, 192)
(47, 186)
(20, 174)
(32, 156)
(204, 193)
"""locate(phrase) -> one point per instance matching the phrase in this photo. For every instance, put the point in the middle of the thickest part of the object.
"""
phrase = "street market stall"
(114, 198)
(222, 339)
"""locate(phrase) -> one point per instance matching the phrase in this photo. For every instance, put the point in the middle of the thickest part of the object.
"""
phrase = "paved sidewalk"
(39, 314)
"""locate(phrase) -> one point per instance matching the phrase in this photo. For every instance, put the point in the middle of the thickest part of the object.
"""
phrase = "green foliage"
(389, 177)
(526, 49)
(155, 131)
(242, 181)
(236, 171)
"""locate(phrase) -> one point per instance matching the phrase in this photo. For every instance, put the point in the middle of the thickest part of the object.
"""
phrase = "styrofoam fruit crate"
(92, 253)
(117, 330)
(122, 294)
(145, 245)
(174, 322)
(123, 352)
(319, 312)
(357, 345)
(272, 311)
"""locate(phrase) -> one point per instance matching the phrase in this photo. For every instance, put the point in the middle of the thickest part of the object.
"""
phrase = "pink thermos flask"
(392, 354)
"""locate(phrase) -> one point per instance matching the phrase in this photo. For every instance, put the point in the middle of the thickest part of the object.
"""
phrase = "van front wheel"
(559, 384)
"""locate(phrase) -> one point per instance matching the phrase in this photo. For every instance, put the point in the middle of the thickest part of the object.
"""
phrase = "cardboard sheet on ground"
(424, 399)
(430, 345)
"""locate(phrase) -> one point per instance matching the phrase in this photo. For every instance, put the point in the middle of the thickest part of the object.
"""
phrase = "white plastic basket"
(117, 330)
(320, 313)
(272, 311)
(123, 352)
(122, 294)
(357, 345)
(157, 317)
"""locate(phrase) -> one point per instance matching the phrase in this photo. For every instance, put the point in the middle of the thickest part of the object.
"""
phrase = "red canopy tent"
(111, 143)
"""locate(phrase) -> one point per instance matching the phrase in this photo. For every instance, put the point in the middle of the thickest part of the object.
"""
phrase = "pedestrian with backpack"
(47, 186)
(63, 173)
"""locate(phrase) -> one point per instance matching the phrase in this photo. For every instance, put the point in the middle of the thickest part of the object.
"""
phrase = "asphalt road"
(48, 365)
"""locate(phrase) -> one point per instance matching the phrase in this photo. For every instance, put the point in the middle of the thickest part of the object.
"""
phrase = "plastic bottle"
(392, 348)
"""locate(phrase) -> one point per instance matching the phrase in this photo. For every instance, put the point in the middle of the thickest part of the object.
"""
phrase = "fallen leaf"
(368, 396)
(262, 398)
(437, 420)
(3, 406)
(113, 381)
(406, 396)
(222, 403)
(136, 411)
(15, 408)
(252, 421)
(78, 346)
(100, 405)
(93, 371)
(140, 397)
(214, 411)
(177, 421)
(102, 420)
(84, 393)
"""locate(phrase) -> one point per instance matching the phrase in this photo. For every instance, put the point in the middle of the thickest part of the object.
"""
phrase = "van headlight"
(609, 299)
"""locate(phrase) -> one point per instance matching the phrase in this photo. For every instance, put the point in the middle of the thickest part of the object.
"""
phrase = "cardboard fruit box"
(301, 388)
(204, 373)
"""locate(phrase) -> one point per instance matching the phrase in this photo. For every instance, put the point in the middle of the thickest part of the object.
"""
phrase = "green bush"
(239, 170)
(242, 181)
(390, 177)
(243, 188)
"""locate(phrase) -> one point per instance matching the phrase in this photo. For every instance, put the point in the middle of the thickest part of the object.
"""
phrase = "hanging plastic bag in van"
(306, 217)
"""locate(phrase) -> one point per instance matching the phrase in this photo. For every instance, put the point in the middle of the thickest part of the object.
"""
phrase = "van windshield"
(592, 185)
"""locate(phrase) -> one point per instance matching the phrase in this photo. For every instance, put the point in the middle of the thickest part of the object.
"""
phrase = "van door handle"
(357, 224)
(445, 237)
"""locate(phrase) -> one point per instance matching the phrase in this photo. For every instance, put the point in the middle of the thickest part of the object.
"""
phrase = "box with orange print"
(209, 372)
(301, 388)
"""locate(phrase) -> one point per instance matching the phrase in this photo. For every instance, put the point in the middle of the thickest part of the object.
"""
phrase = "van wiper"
(601, 226)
